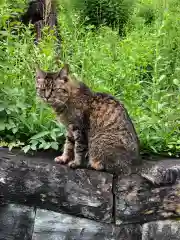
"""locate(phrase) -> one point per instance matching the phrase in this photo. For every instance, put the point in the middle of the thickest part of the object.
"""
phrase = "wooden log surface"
(165, 230)
(138, 200)
(162, 172)
(151, 193)
(38, 181)
(19, 222)
(16, 222)
(56, 226)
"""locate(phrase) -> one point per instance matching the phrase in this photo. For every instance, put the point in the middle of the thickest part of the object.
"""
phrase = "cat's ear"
(64, 72)
(40, 74)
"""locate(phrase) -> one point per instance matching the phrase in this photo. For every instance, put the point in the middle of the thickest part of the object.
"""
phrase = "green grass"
(142, 69)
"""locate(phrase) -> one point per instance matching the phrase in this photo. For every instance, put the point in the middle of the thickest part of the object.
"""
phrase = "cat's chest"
(73, 117)
(62, 118)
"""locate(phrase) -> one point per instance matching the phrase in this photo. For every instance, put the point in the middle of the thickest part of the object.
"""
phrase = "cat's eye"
(40, 89)
(60, 90)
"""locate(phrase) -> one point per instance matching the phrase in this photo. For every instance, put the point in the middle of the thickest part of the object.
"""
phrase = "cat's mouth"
(59, 107)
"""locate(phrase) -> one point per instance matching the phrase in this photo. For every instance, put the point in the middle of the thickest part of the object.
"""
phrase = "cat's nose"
(47, 94)
(46, 97)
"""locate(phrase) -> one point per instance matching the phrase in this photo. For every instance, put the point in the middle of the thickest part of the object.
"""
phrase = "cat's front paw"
(63, 159)
(74, 164)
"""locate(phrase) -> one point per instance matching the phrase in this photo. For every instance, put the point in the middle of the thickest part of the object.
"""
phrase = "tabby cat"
(98, 125)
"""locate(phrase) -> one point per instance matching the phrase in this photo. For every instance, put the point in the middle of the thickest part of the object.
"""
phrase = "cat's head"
(54, 87)
(59, 89)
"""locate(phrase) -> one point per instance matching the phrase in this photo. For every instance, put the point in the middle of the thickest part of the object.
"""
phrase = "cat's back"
(112, 134)
(108, 112)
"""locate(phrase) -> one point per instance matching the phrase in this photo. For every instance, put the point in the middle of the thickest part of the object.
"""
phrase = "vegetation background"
(129, 48)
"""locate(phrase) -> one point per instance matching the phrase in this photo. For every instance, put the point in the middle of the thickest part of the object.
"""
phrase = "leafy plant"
(112, 13)
(24, 120)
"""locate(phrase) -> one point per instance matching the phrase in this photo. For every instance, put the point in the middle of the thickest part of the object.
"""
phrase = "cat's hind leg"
(96, 164)
(96, 156)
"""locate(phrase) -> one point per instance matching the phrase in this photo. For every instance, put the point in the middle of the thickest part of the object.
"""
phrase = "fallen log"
(22, 222)
(40, 182)
(52, 225)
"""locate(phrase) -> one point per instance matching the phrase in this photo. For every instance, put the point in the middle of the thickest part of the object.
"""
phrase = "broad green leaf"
(2, 126)
(176, 82)
(53, 135)
(14, 130)
(34, 147)
(2, 108)
(26, 148)
(40, 135)
(162, 77)
(54, 145)
(47, 146)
